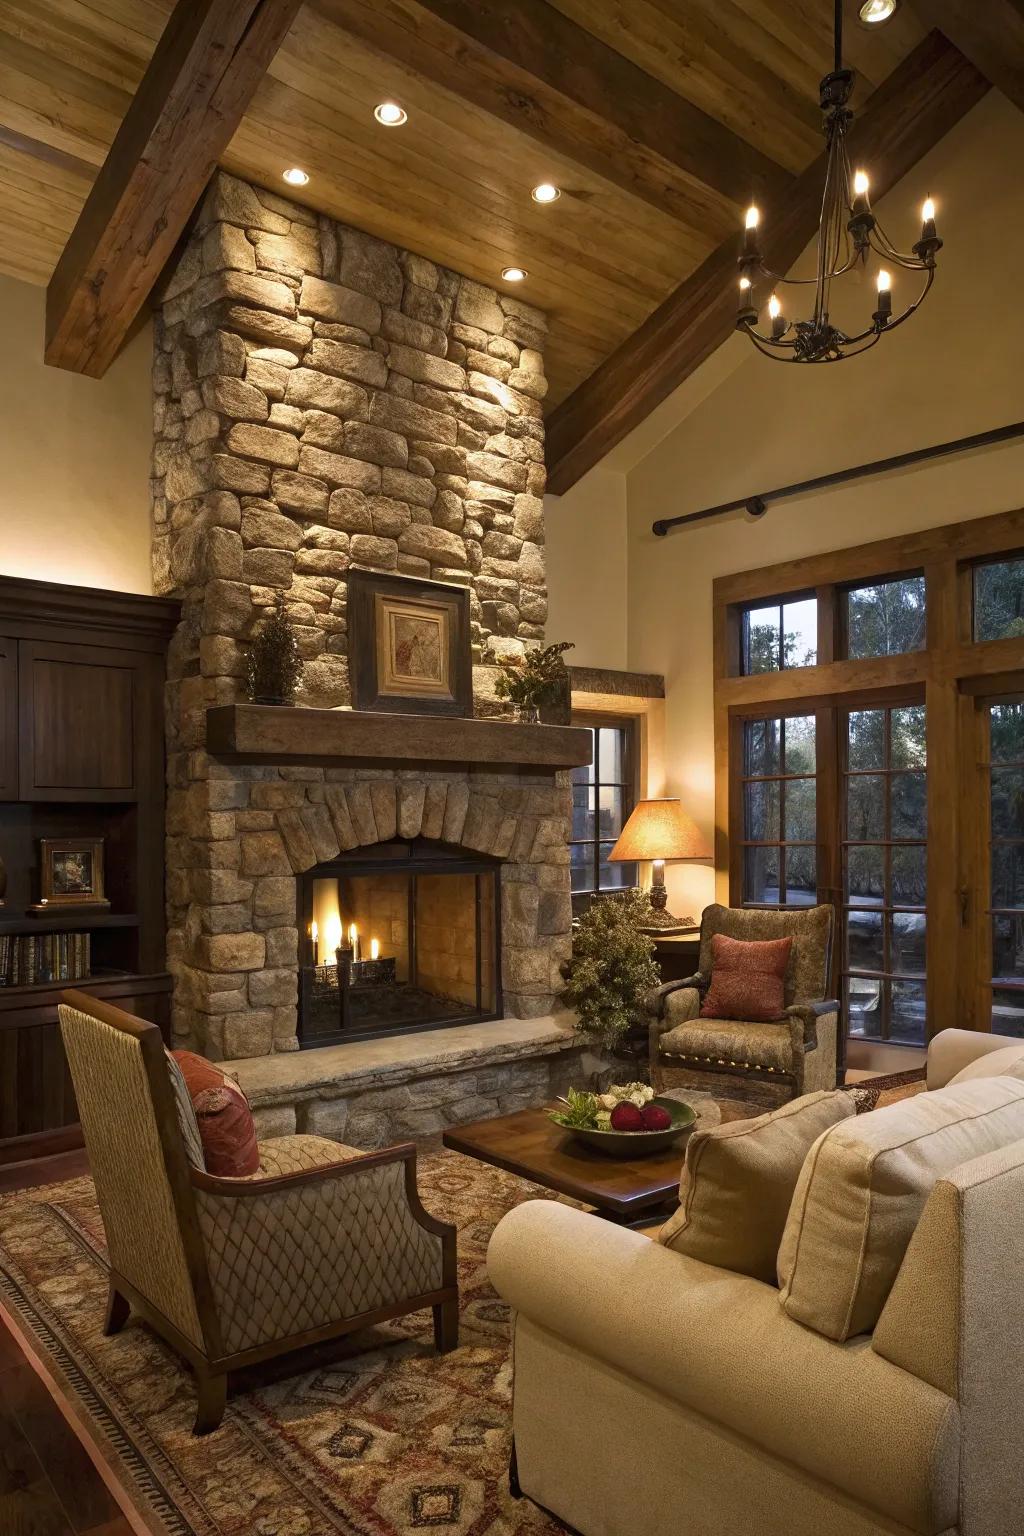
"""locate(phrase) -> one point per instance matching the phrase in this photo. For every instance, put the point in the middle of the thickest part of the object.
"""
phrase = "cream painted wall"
(585, 550)
(954, 369)
(74, 492)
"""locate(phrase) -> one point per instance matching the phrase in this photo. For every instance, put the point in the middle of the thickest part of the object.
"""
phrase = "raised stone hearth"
(324, 400)
(375, 1092)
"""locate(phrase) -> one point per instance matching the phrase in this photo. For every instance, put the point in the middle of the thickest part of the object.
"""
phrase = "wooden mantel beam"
(988, 32)
(527, 64)
(210, 59)
(909, 113)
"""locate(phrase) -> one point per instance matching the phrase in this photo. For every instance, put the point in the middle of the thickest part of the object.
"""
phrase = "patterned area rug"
(371, 1436)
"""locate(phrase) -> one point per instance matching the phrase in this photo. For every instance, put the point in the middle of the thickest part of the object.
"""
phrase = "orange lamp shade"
(660, 829)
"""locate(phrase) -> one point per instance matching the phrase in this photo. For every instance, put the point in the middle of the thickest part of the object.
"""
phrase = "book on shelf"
(27, 959)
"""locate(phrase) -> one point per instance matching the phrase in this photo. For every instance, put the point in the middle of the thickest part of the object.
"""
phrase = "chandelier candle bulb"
(884, 310)
(861, 186)
(777, 317)
(928, 220)
(750, 231)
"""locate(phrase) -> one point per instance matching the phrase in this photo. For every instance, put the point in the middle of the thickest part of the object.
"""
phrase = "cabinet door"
(8, 719)
(76, 711)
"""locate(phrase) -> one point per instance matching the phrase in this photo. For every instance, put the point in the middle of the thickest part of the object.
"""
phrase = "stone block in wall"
(296, 253)
(303, 494)
(478, 306)
(337, 469)
(264, 325)
(265, 443)
(376, 445)
(323, 392)
(344, 306)
(370, 266)
(347, 362)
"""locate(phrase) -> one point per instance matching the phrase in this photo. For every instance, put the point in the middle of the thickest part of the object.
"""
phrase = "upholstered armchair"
(800, 1053)
(324, 1239)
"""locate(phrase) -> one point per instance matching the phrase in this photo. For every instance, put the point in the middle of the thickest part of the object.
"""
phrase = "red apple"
(626, 1117)
(656, 1118)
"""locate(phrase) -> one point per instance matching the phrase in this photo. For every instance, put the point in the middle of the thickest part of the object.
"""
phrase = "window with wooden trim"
(778, 790)
(885, 873)
(779, 635)
(885, 618)
(997, 599)
(603, 794)
(1006, 865)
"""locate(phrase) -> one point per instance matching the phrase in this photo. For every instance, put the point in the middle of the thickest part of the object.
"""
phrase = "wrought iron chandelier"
(847, 233)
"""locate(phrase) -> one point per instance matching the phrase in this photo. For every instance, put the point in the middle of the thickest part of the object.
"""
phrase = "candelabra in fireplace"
(333, 984)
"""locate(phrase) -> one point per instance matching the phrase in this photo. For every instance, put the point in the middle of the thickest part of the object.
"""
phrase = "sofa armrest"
(807, 1013)
(953, 1049)
(709, 1340)
(654, 1002)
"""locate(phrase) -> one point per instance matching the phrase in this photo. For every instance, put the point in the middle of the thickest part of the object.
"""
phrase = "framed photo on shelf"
(409, 649)
(70, 873)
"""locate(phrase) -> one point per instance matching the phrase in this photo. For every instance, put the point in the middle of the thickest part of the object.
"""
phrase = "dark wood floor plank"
(83, 1495)
(28, 1504)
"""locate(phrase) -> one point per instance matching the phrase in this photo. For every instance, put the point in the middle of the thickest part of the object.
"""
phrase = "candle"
(353, 939)
(750, 236)
(884, 310)
(860, 192)
(778, 318)
(928, 220)
(332, 936)
(374, 949)
(314, 934)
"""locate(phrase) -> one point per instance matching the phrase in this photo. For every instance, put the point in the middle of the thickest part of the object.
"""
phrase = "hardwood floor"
(48, 1485)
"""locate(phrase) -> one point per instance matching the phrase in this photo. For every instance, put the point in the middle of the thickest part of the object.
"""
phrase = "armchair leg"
(446, 1325)
(118, 1309)
(213, 1398)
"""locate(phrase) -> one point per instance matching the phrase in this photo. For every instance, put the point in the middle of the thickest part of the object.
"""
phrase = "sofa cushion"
(863, 1187)
(1009, 1062)
(226, 1126)
(747, 979)
(738, 1183)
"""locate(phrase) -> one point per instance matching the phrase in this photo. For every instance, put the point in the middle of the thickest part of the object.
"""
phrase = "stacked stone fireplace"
(322, 401)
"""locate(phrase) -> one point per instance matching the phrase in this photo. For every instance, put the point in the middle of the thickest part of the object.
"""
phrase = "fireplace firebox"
(400, 937)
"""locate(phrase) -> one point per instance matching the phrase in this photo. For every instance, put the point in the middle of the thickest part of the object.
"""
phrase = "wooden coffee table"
(637, 1191)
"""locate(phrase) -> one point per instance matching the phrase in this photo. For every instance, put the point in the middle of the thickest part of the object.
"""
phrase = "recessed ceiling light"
(546, 192)
(513, 274)
(872, 12)
(390, 114)
(295, 177)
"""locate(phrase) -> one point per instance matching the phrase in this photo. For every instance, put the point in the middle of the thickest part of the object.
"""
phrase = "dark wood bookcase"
(81, 755)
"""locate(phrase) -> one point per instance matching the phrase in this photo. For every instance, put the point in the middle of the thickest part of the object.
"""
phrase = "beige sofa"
(653, 1390)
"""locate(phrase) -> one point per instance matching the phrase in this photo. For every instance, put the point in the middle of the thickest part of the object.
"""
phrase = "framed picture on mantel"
(409, 650)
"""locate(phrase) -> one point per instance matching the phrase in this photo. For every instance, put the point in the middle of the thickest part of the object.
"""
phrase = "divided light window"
(999, 600)
(780, 635)
(884, 873)
(603, 795)
(779, 812)
(885, 618)
(1006, 723)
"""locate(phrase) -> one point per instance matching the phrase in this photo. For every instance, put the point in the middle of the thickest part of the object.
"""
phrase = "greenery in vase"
(612, 968)
(273, 666)
(534, 679)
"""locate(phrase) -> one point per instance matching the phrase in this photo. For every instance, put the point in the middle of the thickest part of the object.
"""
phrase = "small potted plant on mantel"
(534, 680)
(273, 666)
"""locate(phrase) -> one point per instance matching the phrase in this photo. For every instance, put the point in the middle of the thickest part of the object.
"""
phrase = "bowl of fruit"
(629, 1120)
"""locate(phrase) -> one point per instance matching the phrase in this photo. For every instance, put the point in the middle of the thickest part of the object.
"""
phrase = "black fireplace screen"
(401, 937)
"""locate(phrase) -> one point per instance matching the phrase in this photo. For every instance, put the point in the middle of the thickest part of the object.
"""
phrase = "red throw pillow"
(748, 979)
(226, 1126)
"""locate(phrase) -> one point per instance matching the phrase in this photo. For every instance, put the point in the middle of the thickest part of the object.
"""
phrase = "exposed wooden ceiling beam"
(988, 32)
(526, 63)
(208, 62)
(909, 113)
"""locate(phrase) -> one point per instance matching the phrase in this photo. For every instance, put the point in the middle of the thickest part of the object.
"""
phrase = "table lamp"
(660, 830)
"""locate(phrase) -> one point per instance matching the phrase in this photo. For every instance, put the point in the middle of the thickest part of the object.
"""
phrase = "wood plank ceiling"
(637, 216)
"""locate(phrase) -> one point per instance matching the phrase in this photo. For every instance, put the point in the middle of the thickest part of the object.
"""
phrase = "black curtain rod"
(757, 506)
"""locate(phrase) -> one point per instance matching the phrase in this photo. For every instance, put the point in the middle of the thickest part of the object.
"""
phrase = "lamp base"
(665, 923)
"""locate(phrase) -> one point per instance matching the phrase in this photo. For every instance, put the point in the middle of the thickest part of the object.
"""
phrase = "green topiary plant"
(535, 679)
(612, 968)
(273, 666)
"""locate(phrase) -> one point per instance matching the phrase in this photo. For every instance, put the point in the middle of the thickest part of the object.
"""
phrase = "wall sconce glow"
(872, 12)
(546, 192)
(390, 114)
(514, 274)
(744, 284)
(295, 177)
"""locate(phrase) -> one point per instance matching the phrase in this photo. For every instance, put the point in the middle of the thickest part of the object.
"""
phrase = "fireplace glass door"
(401, 937)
